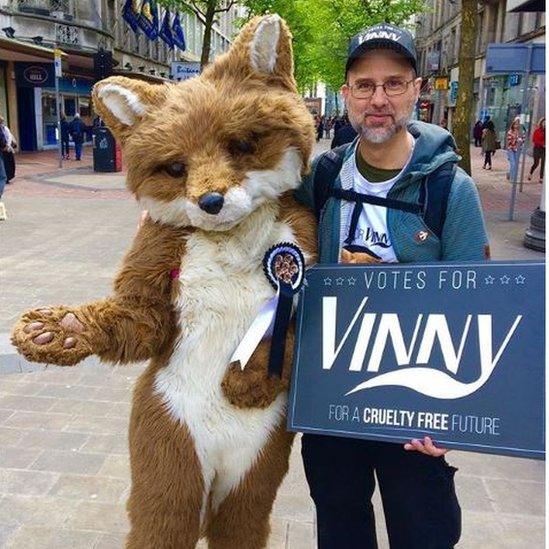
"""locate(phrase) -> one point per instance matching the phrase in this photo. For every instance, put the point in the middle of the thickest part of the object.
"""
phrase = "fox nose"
(211, 202)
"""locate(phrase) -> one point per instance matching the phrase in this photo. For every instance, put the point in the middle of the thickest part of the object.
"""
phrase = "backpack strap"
(326, 171)
(433, 196)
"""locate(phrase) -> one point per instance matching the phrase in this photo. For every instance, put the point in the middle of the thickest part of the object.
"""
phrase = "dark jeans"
(78, 149)
(65, 147)
(478, 141)
(488, 158)
(419, 500)
(539, 156)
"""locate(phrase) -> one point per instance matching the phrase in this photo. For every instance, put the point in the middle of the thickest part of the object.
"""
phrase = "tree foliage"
(206, 10)
(322, 30)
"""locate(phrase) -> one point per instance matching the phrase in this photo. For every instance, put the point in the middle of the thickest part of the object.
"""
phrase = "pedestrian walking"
(319, 128)
(488, 144)
(8, 153)
(3, 178)
(76, 130)
(513, 145)
(392, 159)
(65, 138)
(538, 140)
(477, 133)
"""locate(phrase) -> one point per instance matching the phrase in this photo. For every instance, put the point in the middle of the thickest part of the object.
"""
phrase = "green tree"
(464, 104)
(206, 10)
(322, 30)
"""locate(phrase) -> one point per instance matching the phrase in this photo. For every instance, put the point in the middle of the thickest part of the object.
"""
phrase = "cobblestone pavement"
(63, 452)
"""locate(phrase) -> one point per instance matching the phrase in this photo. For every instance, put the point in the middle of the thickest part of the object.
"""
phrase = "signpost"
(57, 54)
(395, 352)
(183, 70)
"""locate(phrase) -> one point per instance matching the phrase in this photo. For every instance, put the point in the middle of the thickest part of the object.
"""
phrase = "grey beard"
(381, 135)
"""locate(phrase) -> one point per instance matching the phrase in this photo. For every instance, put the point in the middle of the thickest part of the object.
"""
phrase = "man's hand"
(425, 447)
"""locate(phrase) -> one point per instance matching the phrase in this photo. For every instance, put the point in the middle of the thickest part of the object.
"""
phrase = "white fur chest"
(222, 289)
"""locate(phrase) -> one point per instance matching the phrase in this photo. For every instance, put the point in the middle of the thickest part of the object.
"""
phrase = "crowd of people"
(485, 136)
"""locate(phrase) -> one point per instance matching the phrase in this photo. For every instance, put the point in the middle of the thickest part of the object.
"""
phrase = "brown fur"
(203, 117)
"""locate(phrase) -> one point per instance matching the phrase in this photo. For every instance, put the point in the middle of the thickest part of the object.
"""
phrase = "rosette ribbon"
(284, 267)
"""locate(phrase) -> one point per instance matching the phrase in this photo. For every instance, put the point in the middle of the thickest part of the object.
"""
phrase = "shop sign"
(433, 60)
(181, 70)
(453, 92)
(441, 83)
(513, 80)
(34, 75)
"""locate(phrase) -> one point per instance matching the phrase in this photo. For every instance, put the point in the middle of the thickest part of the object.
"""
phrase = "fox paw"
(251, 388)
(52, 335)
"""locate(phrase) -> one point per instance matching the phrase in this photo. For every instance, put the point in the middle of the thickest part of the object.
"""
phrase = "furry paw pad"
(53, 336)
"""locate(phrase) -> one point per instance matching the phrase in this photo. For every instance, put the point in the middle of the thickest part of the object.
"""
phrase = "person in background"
(538, 140)
(3, 178)
(77, 129)
(477, 133)
(513, 144)
(319, 127)
(65, 137)
(8, 153)
(488, 144)
(443, 123)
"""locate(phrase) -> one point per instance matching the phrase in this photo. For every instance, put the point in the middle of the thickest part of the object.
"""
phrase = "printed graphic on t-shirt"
(372, 238)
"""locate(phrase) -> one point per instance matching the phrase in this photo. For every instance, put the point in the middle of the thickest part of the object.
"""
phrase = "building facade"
(31, 29)
(438, 37)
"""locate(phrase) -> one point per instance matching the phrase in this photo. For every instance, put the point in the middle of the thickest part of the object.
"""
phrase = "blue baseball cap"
(382, 36)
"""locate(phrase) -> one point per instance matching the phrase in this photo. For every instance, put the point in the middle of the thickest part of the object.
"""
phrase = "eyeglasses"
(364, 89)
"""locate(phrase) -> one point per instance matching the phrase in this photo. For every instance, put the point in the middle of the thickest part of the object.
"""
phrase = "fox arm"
(133, 324)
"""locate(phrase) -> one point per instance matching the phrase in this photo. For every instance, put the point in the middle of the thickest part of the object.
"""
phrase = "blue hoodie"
(464, 234)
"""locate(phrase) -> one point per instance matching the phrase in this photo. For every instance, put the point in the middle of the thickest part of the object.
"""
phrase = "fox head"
(210, 150)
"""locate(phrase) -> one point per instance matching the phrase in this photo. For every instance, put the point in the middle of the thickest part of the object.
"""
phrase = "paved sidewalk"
(63, 452)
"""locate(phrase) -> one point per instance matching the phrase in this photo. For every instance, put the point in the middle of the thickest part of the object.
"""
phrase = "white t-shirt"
(372, 233)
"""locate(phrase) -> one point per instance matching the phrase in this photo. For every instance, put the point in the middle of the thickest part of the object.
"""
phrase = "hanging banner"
(148, 19)
(166, 30)
(395, 352)
(177, 33)
(130, 14)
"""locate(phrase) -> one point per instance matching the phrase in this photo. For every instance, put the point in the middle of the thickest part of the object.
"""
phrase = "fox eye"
(239, 147)
(175, 169)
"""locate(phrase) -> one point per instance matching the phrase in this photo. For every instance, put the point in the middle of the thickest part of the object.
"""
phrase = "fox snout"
(211, 202)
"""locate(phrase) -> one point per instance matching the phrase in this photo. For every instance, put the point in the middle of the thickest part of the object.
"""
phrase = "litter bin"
(107, 156)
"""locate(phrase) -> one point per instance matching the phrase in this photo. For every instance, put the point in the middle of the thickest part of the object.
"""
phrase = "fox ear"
(263, 50)
(123, 102)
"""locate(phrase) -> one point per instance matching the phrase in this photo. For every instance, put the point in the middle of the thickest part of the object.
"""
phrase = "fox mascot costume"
(214, 160)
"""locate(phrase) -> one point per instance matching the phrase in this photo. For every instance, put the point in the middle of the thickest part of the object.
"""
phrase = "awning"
(15, 50)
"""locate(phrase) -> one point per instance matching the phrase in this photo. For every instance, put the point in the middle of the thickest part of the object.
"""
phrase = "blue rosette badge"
(284, 267)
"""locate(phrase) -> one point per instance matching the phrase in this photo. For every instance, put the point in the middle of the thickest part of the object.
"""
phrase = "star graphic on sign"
(489, 279)
(327, 281)
(339, 281)
(520, 279)
(351, 281)
(505, 279)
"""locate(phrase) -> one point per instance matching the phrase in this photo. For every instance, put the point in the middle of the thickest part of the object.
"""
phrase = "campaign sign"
(395, 352)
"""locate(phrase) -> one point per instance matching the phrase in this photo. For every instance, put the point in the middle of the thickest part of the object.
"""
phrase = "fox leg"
(242, 519)
(167, 492)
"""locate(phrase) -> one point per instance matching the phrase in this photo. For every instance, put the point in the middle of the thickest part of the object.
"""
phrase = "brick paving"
(64, 473)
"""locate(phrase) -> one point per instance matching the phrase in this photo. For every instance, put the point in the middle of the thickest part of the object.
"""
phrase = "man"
(389, 160)
(76, 129)
(65, 146)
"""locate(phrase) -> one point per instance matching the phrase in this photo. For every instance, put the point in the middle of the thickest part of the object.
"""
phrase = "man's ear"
(262, 50)
(123, 102)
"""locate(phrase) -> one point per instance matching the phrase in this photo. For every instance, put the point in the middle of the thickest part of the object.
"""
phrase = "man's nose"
(379, 98)
(211, 203)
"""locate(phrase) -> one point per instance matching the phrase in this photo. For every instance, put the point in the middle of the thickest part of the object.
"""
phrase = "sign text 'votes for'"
(393, 352)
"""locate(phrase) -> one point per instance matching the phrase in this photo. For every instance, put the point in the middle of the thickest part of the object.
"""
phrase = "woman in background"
(488, 144)
(513, 144)
(538, 140)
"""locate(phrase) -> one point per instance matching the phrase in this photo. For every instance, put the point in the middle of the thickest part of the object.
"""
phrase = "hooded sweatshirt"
(463, 235)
